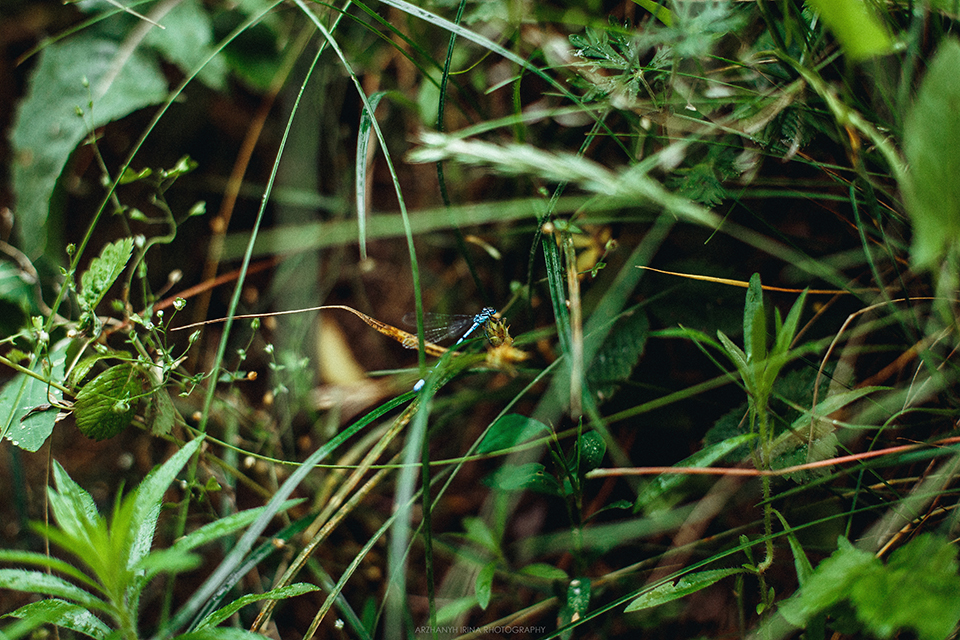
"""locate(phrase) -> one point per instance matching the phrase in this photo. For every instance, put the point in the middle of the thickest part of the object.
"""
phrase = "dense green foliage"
(718, 400)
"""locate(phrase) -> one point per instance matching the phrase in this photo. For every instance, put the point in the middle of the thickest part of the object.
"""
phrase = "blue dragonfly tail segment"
(438, 327)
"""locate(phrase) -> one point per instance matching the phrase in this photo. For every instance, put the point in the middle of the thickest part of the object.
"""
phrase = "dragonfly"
(438, 327)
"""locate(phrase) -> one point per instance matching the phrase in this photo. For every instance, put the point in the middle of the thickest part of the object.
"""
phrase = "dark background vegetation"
(797, 197)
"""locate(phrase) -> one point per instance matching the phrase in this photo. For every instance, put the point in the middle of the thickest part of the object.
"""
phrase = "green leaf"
(822, 448)
(188, 40)
(620, 353)
(45, 561)
(73, 508)
(65, 615)
(15, 288)
(754, 322)
(455, 608)
(931, 144)
(660, 12)
(149, 498)
(22, 424)
(169, 561)
(700, 183)
(478, 532)
(736, 355)
(47, 128)
(484, 584)
(161, 414)
(82, 368)
(103, 272)
(688, 584)
(220, 633)
(106, 405)
(43, 584)
(788, 330)
(223, 527)
(800, 561)
(532, 476)
(918, 589)
(857, 27)
(365, 135)
(129, 175)
(509, 431)
(577, 602)
(183, 166)
(665, 484)
(830, 583)
(280, 593)
(544, 571)
(591, 448)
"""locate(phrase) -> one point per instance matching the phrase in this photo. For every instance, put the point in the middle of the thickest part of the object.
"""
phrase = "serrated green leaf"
(688, 584)
(106, 405)
(161, 414)
(47, 128)
(510, 430)
(700, 183)
(281, 593)
(830, 583)
(857, 27)
(822, 448)
(103, 272)
(620, 353)
(918, 589)
(484, 584)
(65, 615)
(931, 144)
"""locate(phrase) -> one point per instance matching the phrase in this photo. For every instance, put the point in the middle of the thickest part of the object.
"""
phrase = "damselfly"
(438, 327)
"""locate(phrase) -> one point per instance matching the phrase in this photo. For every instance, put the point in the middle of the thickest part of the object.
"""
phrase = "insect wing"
(437, 327)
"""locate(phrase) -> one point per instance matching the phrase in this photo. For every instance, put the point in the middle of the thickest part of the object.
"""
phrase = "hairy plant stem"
(766, 444)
